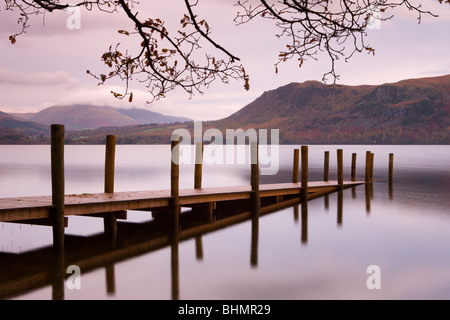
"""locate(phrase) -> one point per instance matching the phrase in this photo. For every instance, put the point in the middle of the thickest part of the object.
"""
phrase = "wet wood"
(24, 208)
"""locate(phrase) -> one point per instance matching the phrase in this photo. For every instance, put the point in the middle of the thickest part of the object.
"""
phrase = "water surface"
(319, 251)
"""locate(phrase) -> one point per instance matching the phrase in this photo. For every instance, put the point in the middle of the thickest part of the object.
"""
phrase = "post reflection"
(304, 234)
(254, 238)
(367, 193)
(340, 205)
(58, 274)
(391, 190)
(174, 253)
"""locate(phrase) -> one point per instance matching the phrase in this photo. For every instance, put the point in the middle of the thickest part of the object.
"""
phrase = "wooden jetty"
(54, 210)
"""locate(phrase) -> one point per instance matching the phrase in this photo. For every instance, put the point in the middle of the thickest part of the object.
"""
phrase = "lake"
(335, 247)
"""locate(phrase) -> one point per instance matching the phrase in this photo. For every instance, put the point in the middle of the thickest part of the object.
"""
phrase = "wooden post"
(57, 164)
(174, 177)
(391, 167)
(391, 176)
(368, 161)
(326, 165)
(304, 173)
(256, 203)
(198, 165)
(353, 177)
(295, 166)
(110, 220)
(372, 156)
(254, 179)
(340, 168)
(109, 163)
(174, 192)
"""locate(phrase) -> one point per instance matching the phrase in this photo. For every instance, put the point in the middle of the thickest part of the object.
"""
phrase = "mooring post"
(372, 157)
(198, 165)
(326, 165)
(353, 175)
(304, 173)
(368, 161)
(57, 165)
(340, 168)
(254, 179)
(174, 177)
(295, 166)
(110, 220)
(391, 167)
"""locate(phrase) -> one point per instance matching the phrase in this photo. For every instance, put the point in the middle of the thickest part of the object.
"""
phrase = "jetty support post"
(340, 168)
(254, 176)
(391, 167)
(391, 176)
(198, 168)
(326, 165)
(353, 173)
(372, 157)
(174, 177)
(295, 166)
(110, 220)
(198, 165)
(304, 174)
(367, 168)
(57, 171)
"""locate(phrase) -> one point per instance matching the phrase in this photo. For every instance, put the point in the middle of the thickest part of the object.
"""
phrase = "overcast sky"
(47, 65)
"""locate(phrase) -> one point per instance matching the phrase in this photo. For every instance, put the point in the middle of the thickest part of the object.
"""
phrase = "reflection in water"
(57, 274)
(304, 235)
(254, 237)
(340, 205)
(110, 279)
(367, 193)
(133, 239)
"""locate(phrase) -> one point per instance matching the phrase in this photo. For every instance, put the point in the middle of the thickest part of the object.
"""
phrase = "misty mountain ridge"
(80, 117)
(408, 111)
(413, 111)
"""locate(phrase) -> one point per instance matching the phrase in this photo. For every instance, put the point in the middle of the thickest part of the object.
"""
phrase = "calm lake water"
(321, 251)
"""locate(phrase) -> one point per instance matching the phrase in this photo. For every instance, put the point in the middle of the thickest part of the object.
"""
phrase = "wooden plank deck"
(26, 208)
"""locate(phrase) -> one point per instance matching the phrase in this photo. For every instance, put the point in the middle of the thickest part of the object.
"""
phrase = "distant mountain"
(80, 117)
(143, 116)
(414, 111)
(27, 127)
(407, 112)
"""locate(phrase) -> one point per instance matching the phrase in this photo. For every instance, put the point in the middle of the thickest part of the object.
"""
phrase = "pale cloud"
(59, 78)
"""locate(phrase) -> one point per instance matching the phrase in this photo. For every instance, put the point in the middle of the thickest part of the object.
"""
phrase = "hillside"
(21, 126)
(412, 111)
